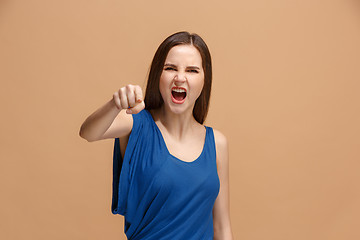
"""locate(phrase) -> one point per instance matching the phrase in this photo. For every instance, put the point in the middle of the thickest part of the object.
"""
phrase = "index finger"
(138, 94)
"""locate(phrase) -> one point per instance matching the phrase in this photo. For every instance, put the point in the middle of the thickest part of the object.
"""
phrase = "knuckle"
(123, 93)
(129, 87)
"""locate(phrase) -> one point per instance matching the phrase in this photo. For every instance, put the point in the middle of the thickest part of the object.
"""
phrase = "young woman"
(170, 176)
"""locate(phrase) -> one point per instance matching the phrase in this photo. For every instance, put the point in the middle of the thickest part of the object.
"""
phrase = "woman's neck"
(177, 125)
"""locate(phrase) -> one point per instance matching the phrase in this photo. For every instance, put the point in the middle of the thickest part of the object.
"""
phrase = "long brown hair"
(153, 99)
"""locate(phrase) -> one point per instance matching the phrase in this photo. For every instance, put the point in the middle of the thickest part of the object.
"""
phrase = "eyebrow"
(172, 65)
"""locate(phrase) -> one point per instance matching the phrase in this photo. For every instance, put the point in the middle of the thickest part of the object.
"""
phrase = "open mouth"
(178, 94)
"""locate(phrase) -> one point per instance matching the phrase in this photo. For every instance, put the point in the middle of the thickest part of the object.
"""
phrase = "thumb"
(137, 108)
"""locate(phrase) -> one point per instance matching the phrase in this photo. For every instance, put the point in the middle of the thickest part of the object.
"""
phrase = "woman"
(170, 177)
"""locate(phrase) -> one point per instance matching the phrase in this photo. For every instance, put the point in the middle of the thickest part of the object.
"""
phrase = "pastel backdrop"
(285, 93)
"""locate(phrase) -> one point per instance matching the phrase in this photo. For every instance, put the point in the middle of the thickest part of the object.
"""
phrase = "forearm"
(98, 122)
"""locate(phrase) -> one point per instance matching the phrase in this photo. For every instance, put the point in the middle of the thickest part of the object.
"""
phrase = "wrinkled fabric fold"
(159, 195)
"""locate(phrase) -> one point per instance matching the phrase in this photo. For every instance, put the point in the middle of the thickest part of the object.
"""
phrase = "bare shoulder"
(220, 141)
(222, 152)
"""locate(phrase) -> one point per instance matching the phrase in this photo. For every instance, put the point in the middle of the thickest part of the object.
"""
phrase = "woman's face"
(182, 78)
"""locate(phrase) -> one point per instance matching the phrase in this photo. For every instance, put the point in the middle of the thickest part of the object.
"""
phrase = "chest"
(188, 150)
(163, 162)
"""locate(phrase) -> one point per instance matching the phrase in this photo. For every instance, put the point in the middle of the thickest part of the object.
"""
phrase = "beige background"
(286, 94)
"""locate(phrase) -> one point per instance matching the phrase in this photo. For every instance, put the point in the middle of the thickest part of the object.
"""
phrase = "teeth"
(179, 90)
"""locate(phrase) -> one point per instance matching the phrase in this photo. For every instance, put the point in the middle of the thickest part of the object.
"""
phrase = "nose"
(180, 78)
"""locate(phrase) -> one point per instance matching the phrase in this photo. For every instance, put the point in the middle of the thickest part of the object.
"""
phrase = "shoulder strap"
(211, 141)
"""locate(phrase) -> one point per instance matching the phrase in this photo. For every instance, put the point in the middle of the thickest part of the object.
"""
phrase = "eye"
(170, 69)
(193, 71)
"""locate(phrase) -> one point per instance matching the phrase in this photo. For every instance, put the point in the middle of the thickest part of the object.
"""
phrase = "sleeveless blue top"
(161, 196)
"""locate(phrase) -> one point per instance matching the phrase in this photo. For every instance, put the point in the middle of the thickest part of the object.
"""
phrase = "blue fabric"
(161, 196)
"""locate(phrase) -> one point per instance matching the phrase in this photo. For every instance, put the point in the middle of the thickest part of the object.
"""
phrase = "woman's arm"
(109, 121)
(221, 210)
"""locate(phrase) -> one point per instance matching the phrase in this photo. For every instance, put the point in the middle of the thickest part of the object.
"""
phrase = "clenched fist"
(130, 98)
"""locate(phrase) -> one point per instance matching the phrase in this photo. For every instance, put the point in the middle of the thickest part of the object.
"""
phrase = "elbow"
(87, 138)
(83, 135)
